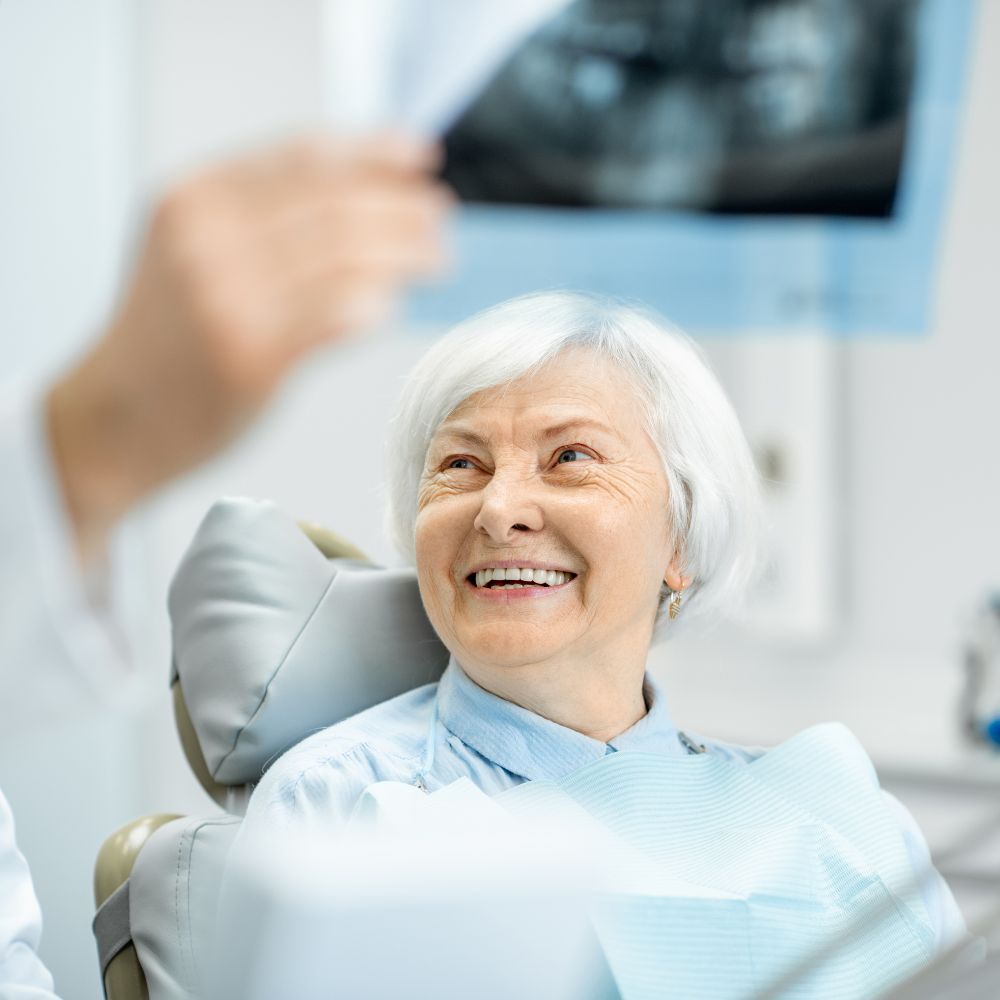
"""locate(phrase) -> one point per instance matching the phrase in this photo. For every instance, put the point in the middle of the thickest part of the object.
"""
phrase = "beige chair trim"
(332, 545)
(192, 747)
(124, 979)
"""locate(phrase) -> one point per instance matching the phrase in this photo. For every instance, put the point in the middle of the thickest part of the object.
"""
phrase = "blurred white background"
(101, 101)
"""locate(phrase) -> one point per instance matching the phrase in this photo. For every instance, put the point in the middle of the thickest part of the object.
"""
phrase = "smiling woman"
(626, 381)
(556, 468)
(567, 476)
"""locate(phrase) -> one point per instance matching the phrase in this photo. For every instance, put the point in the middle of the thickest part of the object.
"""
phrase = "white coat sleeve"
(22, 974)
(58, 654)
(58, 650)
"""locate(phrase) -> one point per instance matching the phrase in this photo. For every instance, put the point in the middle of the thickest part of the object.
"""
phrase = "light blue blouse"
(496, 744)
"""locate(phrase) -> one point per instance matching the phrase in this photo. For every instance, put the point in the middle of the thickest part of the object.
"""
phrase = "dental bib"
(723, 879)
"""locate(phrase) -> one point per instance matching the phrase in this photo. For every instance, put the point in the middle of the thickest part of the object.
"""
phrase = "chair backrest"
(275, 637)
(279, 629)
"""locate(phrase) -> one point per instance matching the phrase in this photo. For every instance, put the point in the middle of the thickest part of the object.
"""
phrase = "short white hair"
(714, 493)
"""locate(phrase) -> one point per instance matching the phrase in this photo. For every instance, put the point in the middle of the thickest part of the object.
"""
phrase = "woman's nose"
(508, 508)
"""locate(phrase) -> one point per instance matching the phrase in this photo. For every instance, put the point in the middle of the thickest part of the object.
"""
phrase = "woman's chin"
(503, 647)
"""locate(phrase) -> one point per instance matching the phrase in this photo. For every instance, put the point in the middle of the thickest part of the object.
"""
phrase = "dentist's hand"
(244, 269)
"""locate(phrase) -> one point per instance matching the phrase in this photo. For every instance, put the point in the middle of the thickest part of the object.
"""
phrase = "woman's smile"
(501, 583)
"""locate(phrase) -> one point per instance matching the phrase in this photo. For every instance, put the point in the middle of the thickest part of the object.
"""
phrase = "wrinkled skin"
(588, 499)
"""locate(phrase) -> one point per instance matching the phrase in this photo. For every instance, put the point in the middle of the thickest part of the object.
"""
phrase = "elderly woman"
(572, 484)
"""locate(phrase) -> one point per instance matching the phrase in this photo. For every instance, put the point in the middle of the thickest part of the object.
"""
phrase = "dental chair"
(279, 630)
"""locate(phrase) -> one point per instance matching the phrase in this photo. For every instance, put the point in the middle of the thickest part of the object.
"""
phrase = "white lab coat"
(22, 974)
(59, 649)
(58, 655)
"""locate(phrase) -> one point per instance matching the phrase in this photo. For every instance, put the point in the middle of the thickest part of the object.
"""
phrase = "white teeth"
(518, 575)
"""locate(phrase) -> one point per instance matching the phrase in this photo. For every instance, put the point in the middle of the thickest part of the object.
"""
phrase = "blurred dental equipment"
(980, 703)
(428, 910)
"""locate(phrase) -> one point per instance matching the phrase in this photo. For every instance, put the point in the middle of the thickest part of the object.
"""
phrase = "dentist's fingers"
(244, 267)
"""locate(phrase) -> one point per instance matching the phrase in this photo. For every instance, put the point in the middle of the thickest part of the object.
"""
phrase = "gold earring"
(676, 598)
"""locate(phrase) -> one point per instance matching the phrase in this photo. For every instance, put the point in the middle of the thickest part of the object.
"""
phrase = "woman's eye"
(571, 455)
(459, 463)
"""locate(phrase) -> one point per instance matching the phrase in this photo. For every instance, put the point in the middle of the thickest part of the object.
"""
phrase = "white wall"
(218, 76)
(922, 417)
(66, 127)
(918, 493)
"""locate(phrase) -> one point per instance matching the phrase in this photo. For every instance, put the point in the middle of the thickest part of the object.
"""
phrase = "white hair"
(714, 494)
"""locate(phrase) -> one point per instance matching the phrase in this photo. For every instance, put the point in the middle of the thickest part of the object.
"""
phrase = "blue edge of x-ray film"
(722, 275)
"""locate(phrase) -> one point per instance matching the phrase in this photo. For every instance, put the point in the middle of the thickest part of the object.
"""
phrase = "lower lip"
(499, 595)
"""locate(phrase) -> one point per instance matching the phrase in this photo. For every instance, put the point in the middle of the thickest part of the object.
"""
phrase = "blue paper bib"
(804, 874)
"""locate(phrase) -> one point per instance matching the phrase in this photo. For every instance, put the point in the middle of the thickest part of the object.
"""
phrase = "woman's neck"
(599, 701)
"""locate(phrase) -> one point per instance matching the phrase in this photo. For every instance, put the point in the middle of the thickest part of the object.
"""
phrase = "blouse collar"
(536, 748)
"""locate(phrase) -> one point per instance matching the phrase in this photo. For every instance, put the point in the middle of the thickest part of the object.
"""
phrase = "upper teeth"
(547, 577)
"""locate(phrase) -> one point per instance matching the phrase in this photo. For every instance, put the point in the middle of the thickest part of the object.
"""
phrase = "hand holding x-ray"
(244, 269)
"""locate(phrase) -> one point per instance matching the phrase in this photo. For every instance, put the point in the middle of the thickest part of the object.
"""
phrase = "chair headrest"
(273, 640)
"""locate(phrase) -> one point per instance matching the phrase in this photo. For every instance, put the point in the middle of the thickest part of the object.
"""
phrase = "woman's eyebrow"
(556, 430)
(578, 423)
(460, 433)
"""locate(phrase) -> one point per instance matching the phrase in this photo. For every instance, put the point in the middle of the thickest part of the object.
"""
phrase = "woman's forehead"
(549, 403)
(575, 386)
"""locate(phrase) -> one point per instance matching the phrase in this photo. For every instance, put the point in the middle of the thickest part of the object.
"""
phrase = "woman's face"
(557, 473)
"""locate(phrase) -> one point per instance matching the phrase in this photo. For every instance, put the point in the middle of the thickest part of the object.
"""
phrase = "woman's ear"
(674, 576)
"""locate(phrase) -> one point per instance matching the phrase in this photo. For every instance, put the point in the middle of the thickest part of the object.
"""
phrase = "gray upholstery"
(272, 640)
(173, 893)
(112, 926)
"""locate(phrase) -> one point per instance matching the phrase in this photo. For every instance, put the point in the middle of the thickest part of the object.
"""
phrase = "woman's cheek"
(435, 537)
